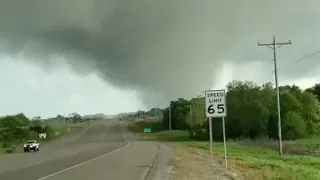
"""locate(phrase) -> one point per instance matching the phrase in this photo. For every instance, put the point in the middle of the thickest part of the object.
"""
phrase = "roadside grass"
(2, 150)
(6, 150)
(138, 125)
(63, 130)
(265, 163)
(251, 162)
(307, 146)
(79, 125)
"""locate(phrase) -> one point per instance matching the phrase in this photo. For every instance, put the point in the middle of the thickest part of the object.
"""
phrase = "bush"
(200, 135)
(50, 132)
(32, 135)
(6, 144)
(9, 151)
(294, 126)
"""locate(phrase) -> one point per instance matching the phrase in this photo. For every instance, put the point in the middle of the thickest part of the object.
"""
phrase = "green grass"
(138, 126)
(310, 145)
(252, 161)
(268, 162)
(2, 150)
(265, 163)
(169, 136)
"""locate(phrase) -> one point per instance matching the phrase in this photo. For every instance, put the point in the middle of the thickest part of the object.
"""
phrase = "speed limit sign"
(216, 103)
(216, 108)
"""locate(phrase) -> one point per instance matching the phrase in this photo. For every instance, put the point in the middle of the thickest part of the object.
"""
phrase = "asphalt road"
(100, 152)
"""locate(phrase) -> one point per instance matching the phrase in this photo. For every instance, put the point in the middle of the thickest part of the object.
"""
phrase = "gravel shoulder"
(175, 161)
(163, 165)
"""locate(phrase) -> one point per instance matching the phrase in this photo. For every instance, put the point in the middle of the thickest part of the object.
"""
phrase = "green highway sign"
(147, 130)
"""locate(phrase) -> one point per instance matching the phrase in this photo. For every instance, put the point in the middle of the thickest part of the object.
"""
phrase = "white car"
(31, 145)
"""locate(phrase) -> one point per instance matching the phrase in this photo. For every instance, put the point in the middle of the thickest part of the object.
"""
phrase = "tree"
(75, 117)
(179, 110)
(248, 112)
(310, 112)
(293, 126)
(257, 120)
(154, 112)
(36, 118)
(289, 102)
(13, 129)
(252, 112)
(315, 90)
(196, 119)
(36, 126)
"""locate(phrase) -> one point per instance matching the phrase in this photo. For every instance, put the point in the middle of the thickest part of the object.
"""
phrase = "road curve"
(101, 152)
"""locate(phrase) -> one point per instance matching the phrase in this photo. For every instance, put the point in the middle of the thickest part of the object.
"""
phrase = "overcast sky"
(113, 56)
(30, 89)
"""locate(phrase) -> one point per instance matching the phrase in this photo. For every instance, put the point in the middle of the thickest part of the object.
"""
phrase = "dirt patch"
(196, 164)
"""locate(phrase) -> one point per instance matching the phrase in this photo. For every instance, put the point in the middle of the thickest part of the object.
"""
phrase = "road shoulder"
(194, 163)
(163, 165)
(179, 162)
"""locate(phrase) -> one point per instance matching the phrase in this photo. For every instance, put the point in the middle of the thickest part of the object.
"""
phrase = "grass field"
(308, 146)
(252, 162)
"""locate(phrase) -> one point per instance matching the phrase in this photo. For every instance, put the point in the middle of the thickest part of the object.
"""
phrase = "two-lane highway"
(99, 153)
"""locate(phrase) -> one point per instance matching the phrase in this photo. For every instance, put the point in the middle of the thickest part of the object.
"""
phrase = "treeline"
(71, 118)
(251, 113)
(15, 129)
(154, 112)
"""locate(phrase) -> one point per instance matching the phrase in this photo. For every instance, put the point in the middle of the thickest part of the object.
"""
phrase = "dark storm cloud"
(164, 48)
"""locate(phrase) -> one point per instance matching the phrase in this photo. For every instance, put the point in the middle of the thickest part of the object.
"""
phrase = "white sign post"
(216, 107)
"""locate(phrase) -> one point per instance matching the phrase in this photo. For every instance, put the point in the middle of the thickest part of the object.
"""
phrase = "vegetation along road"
(251, 130)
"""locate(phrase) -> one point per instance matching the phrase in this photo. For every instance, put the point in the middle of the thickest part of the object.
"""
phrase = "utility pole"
(170, 118)
(190, 107)
(191, 113)
(274, 45)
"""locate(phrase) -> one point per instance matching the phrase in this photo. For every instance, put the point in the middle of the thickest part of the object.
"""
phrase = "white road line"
(33, 164)
(85, 162)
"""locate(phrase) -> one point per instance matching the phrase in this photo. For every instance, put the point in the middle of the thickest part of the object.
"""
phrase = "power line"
(300, 60)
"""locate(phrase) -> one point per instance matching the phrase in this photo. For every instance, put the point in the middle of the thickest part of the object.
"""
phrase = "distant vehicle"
(31, 145)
